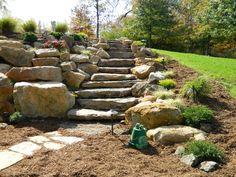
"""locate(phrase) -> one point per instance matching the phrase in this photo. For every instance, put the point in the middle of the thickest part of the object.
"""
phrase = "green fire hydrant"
(139, 137)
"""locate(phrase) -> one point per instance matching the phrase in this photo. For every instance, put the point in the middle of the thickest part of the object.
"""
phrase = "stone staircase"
(109, 89)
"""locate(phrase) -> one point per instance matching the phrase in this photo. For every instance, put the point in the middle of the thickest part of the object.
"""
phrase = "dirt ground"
(106, 155)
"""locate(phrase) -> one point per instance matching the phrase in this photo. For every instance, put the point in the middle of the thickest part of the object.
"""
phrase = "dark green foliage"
(16, 118)
(196, 89)
(168, 83)
(139, 43)
(61, 27)
(79, 36)
(57, 35)
(8, 25)
(205, 150)
(30, 26)
(30, 37)
(195, 115)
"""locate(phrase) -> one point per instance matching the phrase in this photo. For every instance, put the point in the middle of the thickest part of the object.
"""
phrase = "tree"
(81, 20)
(3, 6)
(154, 17)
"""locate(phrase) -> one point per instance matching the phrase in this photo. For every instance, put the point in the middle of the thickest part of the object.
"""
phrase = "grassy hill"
(222, 69)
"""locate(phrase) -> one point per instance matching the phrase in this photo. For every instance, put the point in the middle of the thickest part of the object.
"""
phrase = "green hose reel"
(138, 137)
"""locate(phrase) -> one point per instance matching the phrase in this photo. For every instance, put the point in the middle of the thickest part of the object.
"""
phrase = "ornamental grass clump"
(195, 115)
(30, 26)
(8, 25)
(196, 89)
(61, 28)
(168, 83)
(204, 151)
(164, 94)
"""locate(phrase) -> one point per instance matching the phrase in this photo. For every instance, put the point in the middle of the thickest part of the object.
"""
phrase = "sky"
(44, 10)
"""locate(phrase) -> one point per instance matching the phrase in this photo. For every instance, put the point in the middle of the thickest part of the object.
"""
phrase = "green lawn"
(222, 69)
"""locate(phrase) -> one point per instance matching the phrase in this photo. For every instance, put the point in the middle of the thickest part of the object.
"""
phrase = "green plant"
(164, 94)
(61, 27)
(30, 26)
(167, 83)
(169, 74)
(139, 43)
(8, 25)
(162, 60)
(195, 115)
(196, 89)
(178, 103)
(29, 37)
(16, 118)
(204, 150)
(57, 35)
(60, 45)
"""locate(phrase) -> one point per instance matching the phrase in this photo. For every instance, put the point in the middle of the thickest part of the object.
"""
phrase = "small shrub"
(83, 35)
(168, 83)
(178, 103)
(30, 26)
(195, 115)
(196, 89)
(16, 118)
(61, 27)
(60, 45)
(57, 35)
(139, 43)
(163, 94)
(162, 60)
(205, 151)
(169, 74)
(29, 37)
(8, 25)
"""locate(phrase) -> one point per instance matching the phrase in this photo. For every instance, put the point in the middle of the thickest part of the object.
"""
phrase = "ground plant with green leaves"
(8, 25)
(30, 37)
(168, 83)
(205, 151)
(30, 26)
(195, 115)
(196, 89)
(61, 27)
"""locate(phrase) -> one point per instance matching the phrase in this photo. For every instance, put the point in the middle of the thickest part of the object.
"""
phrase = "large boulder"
(69, 40)
(68, 66)
(48, 61)
(153, 115)
(144, 88)
(143, 71)
(42, 99)
(73, 79)
(65, 56)
(155, 77)
(16, 56)
(175, 134)
(95, 59)
(43, 73)
(104, 46)
(88, 68)
(79, 58)
(93, 50)
(41, 53)
(6, 93)
(103, 54)
(4, 68)
(77, 49)
(8, 43)
(148, 52)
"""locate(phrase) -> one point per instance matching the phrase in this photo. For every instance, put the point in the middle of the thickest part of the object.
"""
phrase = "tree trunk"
(98, 24)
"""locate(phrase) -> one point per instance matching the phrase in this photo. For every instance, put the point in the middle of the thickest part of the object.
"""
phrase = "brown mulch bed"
(108, 155)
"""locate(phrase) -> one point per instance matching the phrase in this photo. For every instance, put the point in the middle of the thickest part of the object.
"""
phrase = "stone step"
(120, 49)
(112, 77)
(110, 103)
(104, 93)
(118, 54)
(115, 62)
(91, 114)
(109, 84)
(117, 70)
(115, 44)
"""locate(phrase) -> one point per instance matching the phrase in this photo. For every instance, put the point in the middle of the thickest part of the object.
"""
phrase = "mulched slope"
(109, 156)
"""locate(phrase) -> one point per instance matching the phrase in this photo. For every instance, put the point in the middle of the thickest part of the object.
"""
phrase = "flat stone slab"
(90, 114)
(39, 139)
(54, 133)
(9, 158)
(112, 77)
(67, 139)
(87, 128)
(26, 148)
(104, 93)
(53, 146)
(109, 84)
(116, 62)
(117, 70)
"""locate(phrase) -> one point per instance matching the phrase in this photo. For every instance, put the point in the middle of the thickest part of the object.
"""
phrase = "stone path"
(51, 141)
(109, 89)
